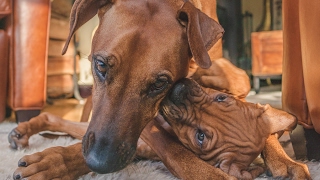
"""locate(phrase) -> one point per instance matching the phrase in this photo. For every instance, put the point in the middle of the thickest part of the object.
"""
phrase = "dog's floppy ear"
(202, 31)
(81, 12)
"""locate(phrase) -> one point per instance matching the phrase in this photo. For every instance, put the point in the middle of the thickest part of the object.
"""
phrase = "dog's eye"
(200, 136)
(220, 97)
(160, 84)
(100, 66)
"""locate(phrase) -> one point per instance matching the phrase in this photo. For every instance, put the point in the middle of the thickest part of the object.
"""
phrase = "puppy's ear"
(202, 31)
(81, 12)
(277, 120)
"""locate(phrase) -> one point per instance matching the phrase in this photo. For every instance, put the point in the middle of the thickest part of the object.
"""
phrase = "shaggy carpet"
(9, 159)
(137, 170)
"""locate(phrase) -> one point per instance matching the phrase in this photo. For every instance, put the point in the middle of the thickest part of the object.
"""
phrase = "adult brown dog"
(222, 130)
(139, 50)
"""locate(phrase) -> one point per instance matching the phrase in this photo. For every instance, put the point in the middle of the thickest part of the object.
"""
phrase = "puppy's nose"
(179, 93)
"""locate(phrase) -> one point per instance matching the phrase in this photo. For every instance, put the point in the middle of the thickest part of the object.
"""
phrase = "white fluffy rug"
(146, 170)
(9, 159)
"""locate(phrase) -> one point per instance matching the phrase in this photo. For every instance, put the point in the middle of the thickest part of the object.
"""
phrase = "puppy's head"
(218, 127)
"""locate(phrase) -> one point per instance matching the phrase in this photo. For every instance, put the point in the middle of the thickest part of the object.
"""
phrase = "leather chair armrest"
(28, 58)
(4, 59)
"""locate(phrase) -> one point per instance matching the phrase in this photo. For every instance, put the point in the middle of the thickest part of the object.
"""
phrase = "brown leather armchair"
(24, 38)
(4, 46)
(301, 75)
(5, 10)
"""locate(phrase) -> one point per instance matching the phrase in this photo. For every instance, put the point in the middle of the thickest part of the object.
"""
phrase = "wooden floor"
(70, 109)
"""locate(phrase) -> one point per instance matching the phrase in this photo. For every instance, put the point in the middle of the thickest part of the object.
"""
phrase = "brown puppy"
(222, 130)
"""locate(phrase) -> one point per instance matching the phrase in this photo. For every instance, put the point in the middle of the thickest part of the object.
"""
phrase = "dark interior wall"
(230, 17)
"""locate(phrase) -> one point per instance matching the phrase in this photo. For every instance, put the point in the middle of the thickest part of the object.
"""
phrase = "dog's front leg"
(280, 164)
(180, 161)
(19, 136)
(53, 163)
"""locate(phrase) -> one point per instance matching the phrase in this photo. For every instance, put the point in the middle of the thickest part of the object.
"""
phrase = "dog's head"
(222, 130)
(138, 51)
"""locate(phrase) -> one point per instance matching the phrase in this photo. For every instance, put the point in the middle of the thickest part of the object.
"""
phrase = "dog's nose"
(87, 142)
(103, 156)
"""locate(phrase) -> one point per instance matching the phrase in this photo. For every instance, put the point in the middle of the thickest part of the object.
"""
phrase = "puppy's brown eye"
(200, 137)
(220, 97)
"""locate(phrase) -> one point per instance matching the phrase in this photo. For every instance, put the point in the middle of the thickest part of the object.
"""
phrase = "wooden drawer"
(61, 65)
(5, 8)
(56, 46)
(59, 29)
(60, 86)
(267, 53)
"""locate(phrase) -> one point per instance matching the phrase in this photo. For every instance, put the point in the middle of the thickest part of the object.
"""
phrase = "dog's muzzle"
(103, 156)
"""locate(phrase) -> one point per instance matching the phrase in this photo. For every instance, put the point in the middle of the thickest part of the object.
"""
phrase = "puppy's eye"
(220, 97)
(200, 136)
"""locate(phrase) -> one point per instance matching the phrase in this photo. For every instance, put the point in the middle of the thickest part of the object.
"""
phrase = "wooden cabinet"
(267, 55)
(61, 69)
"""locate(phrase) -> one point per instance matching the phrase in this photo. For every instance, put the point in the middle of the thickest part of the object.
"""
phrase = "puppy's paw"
(298, 171)
(290, 169)
(280, 164)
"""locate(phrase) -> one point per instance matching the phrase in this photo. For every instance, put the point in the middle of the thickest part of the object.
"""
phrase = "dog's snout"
(105, 156)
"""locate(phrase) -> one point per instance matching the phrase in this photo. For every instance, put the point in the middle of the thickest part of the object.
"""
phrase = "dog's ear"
(202, 31)
(81, 12)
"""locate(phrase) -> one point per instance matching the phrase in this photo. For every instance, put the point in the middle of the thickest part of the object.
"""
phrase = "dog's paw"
(292, 170)
(52, 163)
(18, 139)
(39, 165)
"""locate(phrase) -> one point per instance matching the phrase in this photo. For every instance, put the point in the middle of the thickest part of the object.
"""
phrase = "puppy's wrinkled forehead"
(188, 100)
